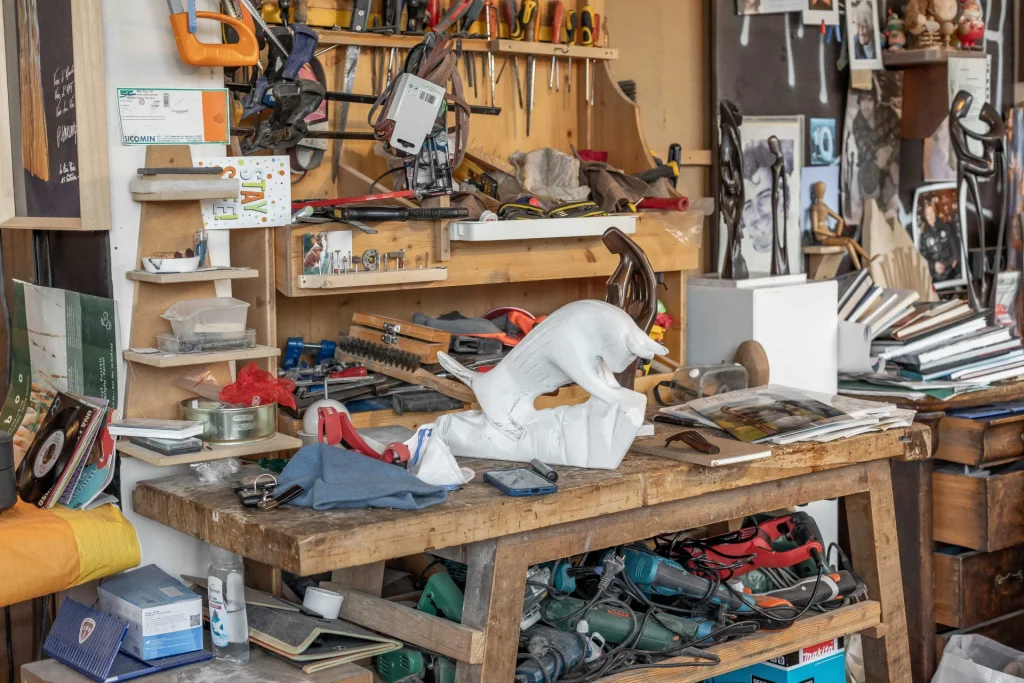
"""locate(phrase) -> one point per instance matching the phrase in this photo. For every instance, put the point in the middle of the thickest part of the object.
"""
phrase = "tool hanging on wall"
(468, 19)
(571, 24)
(357, 216)
(593, 63)
(491, 21)
(587, 40)
(557, 12)
(530, 19)
(515, 32)
(245, 52)
(360, 18)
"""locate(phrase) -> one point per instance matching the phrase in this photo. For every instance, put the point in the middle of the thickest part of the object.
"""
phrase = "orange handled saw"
(246, 52)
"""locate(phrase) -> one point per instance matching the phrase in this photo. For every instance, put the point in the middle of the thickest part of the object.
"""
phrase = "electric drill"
(557, 652)
(615, 625)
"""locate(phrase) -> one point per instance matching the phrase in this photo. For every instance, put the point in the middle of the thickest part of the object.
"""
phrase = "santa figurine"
(971, 28)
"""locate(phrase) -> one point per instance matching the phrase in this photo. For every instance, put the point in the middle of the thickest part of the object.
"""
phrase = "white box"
(797, 325)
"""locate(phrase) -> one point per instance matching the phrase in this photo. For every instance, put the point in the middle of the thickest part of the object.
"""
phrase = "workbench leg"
(367, 578)
(914, 526)
(495, 585)
(876, 560)
(262, 577)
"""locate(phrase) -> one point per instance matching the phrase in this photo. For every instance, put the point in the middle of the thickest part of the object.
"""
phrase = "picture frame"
(817, 12)
(769, 6)
(865, 35)
(938, 230)
(78, 87)
(756, 223)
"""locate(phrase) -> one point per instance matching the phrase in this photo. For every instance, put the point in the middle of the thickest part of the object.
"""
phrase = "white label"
(171, 592)
(218, 613)
(151, 116)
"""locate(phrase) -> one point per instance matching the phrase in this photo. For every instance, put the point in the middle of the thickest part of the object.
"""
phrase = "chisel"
(587, 40)
(515, 32)
(491, 19)
(530, 19)
(360, 19)
(597, 43)
(557, 11)
(468, 19)
(571, 24)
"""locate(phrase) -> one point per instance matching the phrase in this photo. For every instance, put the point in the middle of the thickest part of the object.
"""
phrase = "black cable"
(10, 644)
(384, 175)
(418, 584)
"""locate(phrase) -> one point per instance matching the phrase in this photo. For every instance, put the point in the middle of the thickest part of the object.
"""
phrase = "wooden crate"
(979, 442)
(981, 513)
(974, 587)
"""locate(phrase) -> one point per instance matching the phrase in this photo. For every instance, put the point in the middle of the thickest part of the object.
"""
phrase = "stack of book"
(940, 350)
(862, 301)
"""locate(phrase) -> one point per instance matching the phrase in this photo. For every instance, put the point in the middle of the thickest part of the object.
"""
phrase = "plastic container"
(206, 342)
(190, 317)
(229, 626)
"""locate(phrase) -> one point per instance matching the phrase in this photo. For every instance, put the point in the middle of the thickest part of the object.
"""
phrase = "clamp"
(296, 348)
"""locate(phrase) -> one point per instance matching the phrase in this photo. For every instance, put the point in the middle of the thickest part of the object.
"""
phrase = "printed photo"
(817, 11)
(938, 235)
(768, 414)
(756, 223)
(769, 6)
(871, 147)
(865, 42)
(824, 151)
(327, 253)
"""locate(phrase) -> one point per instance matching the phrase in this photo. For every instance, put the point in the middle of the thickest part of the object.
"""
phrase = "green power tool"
(615, 625)
(402, 664)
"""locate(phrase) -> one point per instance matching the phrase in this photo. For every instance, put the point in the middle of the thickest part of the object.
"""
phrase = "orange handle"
(246, 52)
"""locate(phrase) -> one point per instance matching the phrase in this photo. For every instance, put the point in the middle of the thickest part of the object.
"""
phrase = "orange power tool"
(246, 52)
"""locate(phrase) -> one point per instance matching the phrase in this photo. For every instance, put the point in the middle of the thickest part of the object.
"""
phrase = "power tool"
(615, 626)
(441, 597)
(407, 663)
(556, 652)
(777, 542)
(835, 586)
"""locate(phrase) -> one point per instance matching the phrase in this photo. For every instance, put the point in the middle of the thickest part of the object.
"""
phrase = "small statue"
(780, 191)
(895, 32)
(972, 24)
(731, 195)
(821, 213)
(945, 12)
(931, 22)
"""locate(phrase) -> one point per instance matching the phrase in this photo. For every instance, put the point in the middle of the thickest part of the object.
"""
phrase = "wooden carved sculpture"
(970, 168)
(633, 287)
(730, 189)
(780, 191)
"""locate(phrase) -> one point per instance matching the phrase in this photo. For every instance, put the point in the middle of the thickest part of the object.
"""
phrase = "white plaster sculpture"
(585, 342)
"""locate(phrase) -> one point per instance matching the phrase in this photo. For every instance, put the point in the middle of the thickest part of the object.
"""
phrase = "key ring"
(268, 491)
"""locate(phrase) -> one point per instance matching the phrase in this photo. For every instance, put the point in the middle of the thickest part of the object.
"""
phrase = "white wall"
(139, 51)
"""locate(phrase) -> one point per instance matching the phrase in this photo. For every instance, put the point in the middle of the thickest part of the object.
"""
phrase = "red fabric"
(255, 387)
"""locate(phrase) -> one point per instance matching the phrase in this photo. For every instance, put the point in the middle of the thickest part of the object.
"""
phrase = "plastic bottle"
(229, 627)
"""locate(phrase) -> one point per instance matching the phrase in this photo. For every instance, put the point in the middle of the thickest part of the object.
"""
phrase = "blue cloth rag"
(336, 478)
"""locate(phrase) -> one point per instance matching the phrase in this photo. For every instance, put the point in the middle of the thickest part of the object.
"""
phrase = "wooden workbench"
(498, 537)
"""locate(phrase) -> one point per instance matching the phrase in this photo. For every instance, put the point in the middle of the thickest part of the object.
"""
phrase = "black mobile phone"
(520, 482)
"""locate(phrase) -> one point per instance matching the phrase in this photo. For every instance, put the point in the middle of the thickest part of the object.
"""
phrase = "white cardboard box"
(796, 324)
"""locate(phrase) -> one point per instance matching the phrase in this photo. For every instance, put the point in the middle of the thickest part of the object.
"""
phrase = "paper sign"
(266, 197)
(152, 116)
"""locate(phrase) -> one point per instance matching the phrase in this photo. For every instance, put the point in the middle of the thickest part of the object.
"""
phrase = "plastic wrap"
(977, 659)
(255, 387)
(217, 470)
(686, 226)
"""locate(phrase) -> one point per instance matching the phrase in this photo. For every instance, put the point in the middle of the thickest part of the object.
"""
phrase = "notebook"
(89, 642)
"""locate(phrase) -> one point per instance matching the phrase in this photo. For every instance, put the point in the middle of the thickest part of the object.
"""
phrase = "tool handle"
(528, 18)
(659, 204)
(437, 214)
(664, 171)
(572, 23)
(398, 213)
(433, 13)
(246, 52)
(587, 26)
(471, 15)
(491, 18)
(455, 12)
(597, 30)
(515, 29)
(557, 17)
(417, 11)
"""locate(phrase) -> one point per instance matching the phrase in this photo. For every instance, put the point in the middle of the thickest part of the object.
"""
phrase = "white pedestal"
(796, 324)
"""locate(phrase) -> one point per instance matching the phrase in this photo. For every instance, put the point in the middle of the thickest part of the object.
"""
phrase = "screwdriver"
(433, 12)
(557, 11)
(530, 20)
(468, 19)
(491, 19)
(515, 31)
(571, 24)
(587, 38)
(597, 43)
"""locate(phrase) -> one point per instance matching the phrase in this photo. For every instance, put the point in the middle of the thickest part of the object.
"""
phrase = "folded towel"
(336, 478)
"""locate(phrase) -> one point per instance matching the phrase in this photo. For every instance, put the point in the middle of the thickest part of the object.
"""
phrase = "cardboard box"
(821, 663)
(164, 617)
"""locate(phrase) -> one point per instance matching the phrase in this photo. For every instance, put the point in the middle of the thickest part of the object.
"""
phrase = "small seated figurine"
(833, 237)
(895, 36)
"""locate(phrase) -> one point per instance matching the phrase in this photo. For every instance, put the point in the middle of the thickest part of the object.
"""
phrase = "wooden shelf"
(177, 360)
(925, 56)
(278, 442)
(344, 281)
(196, 276)
(763, 646)
(500, 46)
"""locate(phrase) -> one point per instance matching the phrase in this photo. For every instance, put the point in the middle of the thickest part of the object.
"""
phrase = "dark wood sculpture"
(731, 196)
(633, 287)
(970, 169)
(780, 191)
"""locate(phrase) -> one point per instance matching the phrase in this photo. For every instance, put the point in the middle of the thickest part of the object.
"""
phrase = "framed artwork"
(756, 224)
(53, 120)
(817, 11)
(939, 233)
(871, 147)
(865, 34)
(824, 146)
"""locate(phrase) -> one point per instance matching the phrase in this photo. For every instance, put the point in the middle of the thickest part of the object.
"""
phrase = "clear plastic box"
(206, 342)
(190, 317)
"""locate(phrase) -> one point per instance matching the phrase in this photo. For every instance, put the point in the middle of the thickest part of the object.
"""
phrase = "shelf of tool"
(499, 46)
(179, 360)
(210, 452)
(479, 263)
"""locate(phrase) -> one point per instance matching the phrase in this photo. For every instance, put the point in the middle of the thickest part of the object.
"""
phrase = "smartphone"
(520, 482)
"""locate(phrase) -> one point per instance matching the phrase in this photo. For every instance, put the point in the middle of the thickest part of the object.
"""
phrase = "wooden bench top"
(306, 541)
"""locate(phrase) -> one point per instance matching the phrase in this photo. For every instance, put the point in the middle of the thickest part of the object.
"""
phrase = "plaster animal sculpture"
(895, 32)
(585, 342)
(921, 24)
(971, 28)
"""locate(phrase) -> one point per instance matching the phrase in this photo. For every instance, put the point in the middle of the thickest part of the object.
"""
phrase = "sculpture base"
(755, 281)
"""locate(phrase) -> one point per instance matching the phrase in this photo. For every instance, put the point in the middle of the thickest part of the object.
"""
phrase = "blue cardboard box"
(821, 663)
(164, 617)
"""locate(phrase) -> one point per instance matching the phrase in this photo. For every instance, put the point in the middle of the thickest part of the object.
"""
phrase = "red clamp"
(757, 541)
(335, 428)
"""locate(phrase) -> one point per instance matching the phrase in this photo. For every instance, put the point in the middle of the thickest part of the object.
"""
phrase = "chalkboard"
(42, 101)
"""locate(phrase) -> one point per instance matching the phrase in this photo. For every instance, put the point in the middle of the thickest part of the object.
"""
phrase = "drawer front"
(976, 442)
(1008, 630)
(978, 513)
(975, 587)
